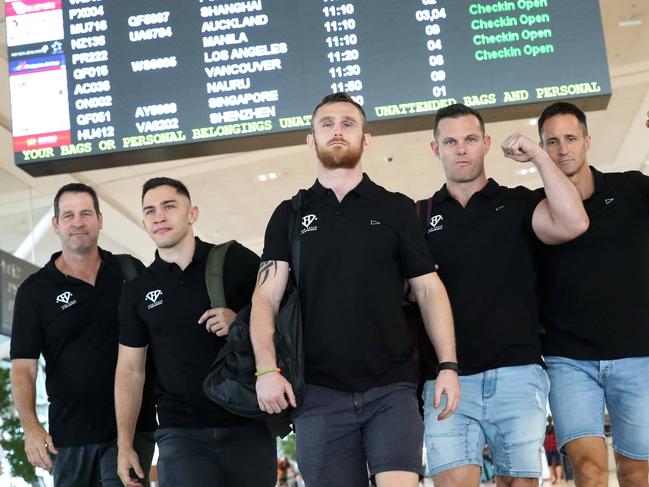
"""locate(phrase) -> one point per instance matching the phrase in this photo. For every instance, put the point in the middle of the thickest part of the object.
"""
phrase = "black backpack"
(129, 265)
(231, 380)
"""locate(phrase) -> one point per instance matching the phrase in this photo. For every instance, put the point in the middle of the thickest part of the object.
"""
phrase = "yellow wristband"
(267, 371)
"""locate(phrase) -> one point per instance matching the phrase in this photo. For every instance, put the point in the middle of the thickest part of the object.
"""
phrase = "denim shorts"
(504, 408)
(342, 435)
(582, 388)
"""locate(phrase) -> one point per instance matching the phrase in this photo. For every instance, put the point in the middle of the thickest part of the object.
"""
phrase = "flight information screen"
(13, 271)
(99, 83)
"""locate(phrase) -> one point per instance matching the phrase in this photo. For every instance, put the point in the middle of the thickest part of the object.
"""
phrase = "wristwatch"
(448, 366)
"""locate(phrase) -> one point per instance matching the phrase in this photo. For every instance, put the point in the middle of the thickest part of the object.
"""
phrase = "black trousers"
(233, 456)
(96, 465)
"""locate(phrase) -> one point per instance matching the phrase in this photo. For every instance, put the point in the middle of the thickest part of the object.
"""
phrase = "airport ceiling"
(235, 203)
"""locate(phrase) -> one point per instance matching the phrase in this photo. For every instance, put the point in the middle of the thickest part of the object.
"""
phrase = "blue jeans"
(96, 465)
(504, 408)
(582, 388)
(243, 456)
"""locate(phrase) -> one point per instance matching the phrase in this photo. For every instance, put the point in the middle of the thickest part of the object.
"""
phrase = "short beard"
(461, 178)
(339, 158)
(464, 179)
(81, 249)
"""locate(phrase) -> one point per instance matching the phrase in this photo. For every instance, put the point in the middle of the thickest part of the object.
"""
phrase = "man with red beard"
(357, 243)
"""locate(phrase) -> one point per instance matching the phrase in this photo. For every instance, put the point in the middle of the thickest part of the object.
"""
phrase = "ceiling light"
(532, 122)
(268, 176)
(525, 171)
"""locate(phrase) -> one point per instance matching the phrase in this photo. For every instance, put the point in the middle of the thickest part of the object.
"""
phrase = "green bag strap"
(127, 265)
(214, 274)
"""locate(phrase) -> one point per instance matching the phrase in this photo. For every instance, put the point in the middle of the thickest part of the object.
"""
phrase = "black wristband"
(448, 366)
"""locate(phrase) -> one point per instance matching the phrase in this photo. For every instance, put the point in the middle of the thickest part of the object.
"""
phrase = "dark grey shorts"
(342, 435)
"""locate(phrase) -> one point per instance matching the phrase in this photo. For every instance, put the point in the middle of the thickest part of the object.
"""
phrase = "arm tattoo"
(264, 271)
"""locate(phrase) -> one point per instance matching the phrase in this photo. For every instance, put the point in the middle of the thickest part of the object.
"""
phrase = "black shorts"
(553, 457)
(342, 435)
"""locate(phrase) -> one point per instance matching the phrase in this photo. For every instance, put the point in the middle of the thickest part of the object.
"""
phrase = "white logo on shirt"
(498, 208)
(307, 220)
(608, 201)
(435, 223)
(153, 297)
(374, 222)
(64, 298)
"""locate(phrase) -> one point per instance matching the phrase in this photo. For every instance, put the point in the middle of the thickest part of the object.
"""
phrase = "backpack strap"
(424, 216)
(214, 274)
(297, 202)
(127, 265)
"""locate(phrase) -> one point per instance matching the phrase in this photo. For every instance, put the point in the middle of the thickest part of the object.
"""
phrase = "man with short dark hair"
(68, 312)
(167, 308)
(483, 236)
(357, 243)
(594, 305)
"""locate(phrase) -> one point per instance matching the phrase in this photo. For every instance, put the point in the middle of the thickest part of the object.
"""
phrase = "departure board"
(99, 83)
(13, 271)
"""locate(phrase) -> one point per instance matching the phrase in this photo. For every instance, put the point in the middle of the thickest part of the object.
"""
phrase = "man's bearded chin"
(339, 157)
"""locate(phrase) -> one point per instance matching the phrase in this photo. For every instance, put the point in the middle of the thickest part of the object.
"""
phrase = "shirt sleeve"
(414, 257)
(26, 330)
(239, 276)
(276, 244)
(530, 200)
(644, 182)
(132, 330)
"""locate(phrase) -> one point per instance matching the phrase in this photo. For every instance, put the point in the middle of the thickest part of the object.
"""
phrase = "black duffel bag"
(231, 380)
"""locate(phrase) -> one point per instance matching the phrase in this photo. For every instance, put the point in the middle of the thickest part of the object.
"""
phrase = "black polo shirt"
(354, 257)
(594, 290)
(486, 257)
(161, 308)
(75, 326)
